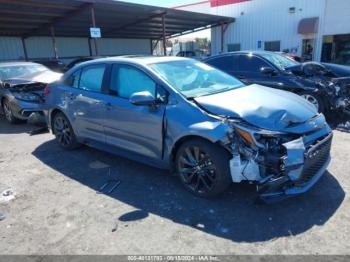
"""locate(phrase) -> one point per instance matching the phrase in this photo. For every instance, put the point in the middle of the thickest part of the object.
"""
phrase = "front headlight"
(26, 97)
(256, 136)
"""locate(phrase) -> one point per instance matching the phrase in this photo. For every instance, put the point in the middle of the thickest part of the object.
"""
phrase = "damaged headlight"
(26, 97)
(258, 137)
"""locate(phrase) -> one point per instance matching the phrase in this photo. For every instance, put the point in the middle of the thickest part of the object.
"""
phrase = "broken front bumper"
(304, 167)
(23, 109)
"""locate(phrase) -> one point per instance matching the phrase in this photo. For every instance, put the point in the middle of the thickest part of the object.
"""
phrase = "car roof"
(141, 60)
(253, 52)
(17, 63)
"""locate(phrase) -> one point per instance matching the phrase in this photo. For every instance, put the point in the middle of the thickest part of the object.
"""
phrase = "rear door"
(138, 129)
(86, 102)
(224, 63)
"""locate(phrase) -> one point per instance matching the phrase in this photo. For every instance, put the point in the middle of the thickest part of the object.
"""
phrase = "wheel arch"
(175, 147)
(52, 114)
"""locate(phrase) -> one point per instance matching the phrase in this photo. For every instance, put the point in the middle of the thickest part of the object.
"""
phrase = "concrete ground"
(56, 210)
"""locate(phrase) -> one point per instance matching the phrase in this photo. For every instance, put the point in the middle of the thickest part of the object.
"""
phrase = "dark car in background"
(22, 87)
(310, 80)
(79, 60)
(183, 115)
(338, 70)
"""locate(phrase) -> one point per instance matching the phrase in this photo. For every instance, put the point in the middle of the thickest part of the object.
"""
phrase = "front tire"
(203, 167)
(63, 132)
(6, 107)
(315, 100)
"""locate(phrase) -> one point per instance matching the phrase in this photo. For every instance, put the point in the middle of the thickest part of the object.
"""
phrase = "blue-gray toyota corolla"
(195, 120)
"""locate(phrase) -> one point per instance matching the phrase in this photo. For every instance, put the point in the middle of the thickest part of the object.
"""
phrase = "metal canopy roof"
(73, 18)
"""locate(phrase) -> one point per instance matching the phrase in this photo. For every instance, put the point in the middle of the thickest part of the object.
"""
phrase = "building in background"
(313, 29)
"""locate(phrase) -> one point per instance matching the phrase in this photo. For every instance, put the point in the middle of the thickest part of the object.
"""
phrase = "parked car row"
(208, 126)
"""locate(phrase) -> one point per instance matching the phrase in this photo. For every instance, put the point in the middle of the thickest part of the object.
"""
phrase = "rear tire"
(63, 132)
(203, 167)
(6, 107)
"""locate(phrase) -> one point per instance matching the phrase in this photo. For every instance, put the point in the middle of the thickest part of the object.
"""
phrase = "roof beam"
(57, 20)
(35, 14)
(24, 20)
(39, 5)
(136, 22)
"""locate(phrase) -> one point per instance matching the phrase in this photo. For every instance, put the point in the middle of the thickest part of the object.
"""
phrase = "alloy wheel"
(62, 131)
(312, 100)
(197, 170)
(7, 111)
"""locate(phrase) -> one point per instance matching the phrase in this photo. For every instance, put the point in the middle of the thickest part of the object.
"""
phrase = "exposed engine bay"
(279, 164)
(25, 90)
(327, 84)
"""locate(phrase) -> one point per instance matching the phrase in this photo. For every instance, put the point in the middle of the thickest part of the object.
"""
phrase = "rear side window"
(92, 78)
(248, 63)
(127, 80)
(224, 63)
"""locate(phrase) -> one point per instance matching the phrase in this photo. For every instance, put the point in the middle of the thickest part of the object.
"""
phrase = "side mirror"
(268, 71)
(142, 99)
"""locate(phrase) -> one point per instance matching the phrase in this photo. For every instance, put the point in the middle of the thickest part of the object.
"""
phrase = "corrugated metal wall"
(256, 22)
(270, 20)
(337, 17)
(109, 46)
(11, 48)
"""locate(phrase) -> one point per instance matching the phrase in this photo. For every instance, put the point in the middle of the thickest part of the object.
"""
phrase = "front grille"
(316, 156)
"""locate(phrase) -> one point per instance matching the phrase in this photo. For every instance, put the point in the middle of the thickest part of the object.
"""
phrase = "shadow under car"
(234, 215)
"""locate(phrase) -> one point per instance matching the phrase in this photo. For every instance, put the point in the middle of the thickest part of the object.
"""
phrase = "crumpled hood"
(260, 106)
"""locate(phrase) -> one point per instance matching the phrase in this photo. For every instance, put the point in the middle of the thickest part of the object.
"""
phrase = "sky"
(164, 3)
(173, 3)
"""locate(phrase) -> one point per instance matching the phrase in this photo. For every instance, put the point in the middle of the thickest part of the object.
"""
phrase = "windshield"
(194, 79)
(7, 72)
(280, 61)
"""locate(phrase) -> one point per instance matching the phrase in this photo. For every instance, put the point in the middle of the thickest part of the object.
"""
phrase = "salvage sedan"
(311, 80)
(183, 115)
(22, 87)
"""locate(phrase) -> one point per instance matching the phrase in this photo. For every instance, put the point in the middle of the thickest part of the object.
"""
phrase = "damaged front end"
(281, 164)
(341, 101)
(27, 98)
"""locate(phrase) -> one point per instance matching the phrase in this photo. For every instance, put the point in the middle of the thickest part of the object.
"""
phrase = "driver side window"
(127, 80)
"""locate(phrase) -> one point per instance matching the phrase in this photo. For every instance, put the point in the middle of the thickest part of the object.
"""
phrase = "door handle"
(106, 104)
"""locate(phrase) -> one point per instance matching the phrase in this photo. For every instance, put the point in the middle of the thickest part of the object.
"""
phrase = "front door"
(137, 129)
(308, 49)
(249, 71)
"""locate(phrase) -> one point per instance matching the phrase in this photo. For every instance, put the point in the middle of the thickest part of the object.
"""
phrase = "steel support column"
(89, 43)
(54, 46)
(164, 34)
(94, 25)
(24, 49)
(223, 31)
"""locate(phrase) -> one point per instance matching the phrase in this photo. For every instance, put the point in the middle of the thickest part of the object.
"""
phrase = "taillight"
(46, 90)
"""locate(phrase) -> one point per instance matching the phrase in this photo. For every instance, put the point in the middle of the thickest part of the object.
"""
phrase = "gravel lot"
(56, 210)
